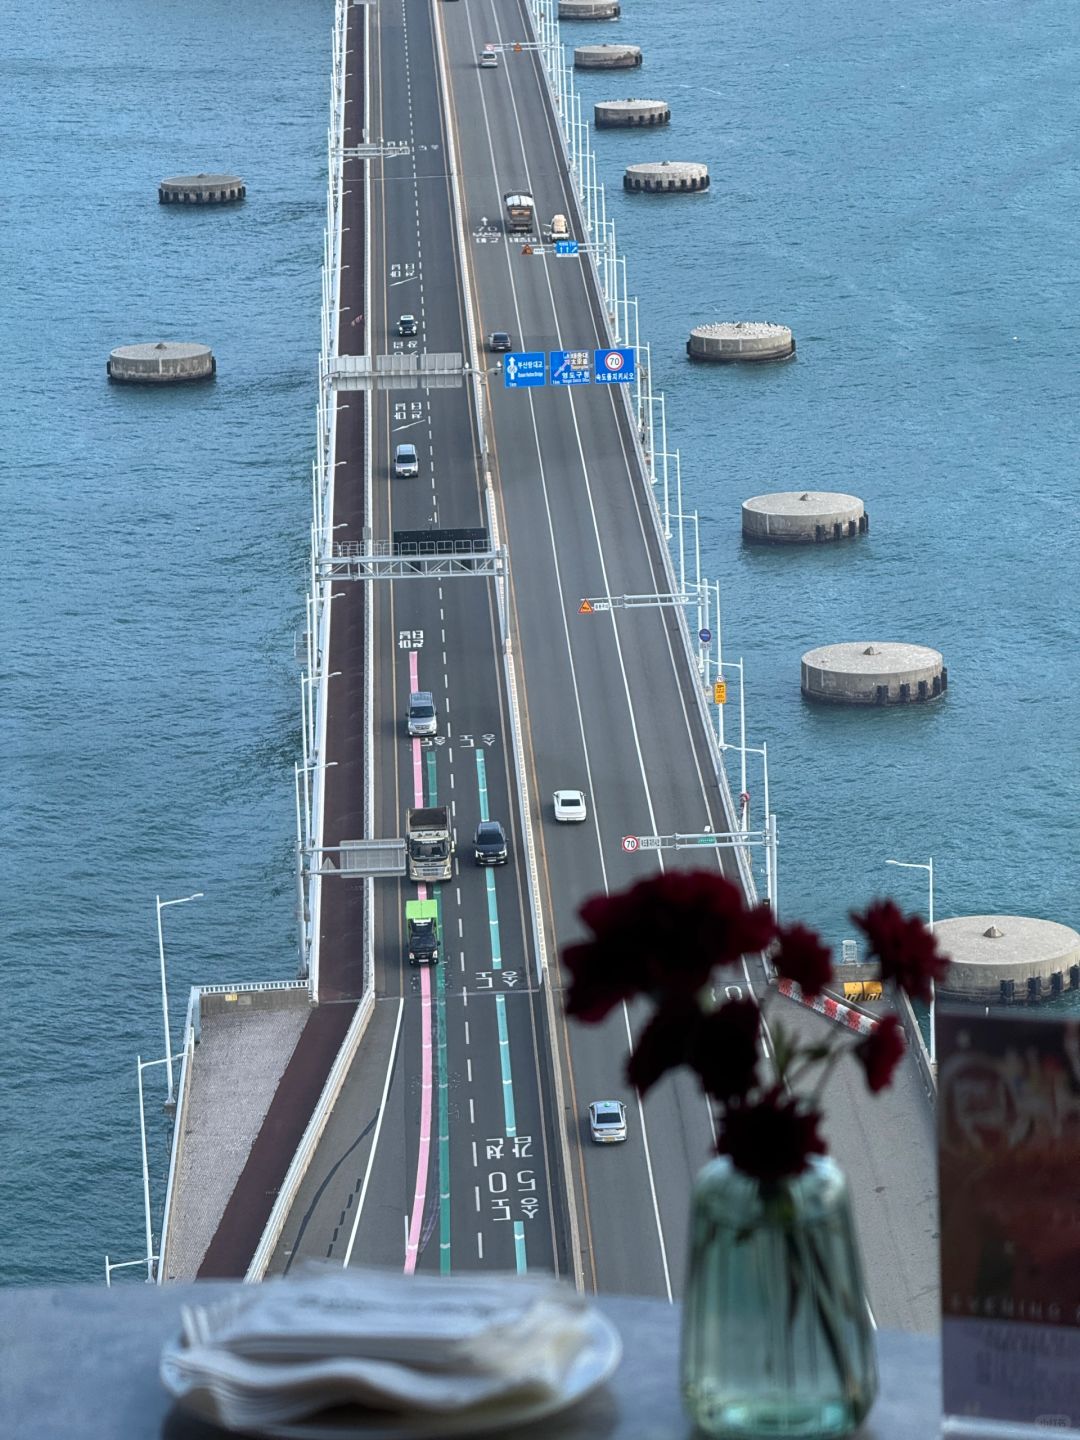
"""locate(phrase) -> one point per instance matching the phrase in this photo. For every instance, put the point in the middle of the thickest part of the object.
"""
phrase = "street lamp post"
(141, 1065)
(161, 904)
(928, 866)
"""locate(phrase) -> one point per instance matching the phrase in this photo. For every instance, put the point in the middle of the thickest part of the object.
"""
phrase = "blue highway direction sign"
(615, 367)
(566, 247)
(524, 367)
(571, 367)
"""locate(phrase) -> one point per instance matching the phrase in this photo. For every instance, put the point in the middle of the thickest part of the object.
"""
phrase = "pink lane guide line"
(423, 1158)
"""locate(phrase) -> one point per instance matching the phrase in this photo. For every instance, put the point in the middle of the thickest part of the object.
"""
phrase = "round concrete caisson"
(807, 517)
(168, 362)
(589, 9)
(861, 672)
(607, 57)
(619, 114)
(666, 177)
(201, 190)
(1007, 958)
(730, 341)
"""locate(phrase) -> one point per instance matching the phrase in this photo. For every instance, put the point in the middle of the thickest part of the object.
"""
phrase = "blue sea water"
(155, 563)
(898, 184)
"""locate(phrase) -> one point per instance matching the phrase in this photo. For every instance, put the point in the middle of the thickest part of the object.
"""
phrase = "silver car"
(607, 1121)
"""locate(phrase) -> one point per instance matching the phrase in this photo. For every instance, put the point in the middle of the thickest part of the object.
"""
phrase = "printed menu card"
(1009, 1184)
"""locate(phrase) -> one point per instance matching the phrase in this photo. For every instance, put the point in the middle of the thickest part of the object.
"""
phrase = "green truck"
(422, 932)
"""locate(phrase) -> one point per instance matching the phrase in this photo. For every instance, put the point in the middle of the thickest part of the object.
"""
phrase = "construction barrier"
(831, 1009)
(863, 990)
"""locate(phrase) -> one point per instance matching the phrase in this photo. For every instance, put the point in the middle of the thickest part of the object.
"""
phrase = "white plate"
(592, 1365)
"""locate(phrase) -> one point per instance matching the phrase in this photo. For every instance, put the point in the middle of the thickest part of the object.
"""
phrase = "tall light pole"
(140, 1066)
(928, 866)
(161, 904)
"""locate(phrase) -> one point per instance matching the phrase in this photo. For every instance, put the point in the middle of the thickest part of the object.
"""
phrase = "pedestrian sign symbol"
(585, 608)
(719, 692)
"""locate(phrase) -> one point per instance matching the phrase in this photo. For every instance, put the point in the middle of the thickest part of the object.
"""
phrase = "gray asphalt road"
(609, 705)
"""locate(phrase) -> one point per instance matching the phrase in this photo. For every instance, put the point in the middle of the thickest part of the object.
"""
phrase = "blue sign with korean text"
(615, 367)
(524, 367)
(566, 247)
(571, 367)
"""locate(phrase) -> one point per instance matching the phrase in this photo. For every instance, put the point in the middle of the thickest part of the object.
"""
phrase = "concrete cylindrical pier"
(861, 672)
(589, 9)
(667, 176)
(607, 57)
(807, 517)
(201, 190)
(1007, 958)
(165, 363)
(740, 340)
(613, 114)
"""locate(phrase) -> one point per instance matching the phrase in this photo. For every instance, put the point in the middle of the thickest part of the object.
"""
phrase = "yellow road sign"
(719, 692)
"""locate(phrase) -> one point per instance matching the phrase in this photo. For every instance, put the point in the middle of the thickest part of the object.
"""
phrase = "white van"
(422, 718)
(406, 462)
(559, 229)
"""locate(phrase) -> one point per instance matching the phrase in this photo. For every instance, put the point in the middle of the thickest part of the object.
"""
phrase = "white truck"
(429, 845)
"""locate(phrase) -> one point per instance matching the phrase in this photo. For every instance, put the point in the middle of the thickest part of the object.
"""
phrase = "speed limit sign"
(629, 843)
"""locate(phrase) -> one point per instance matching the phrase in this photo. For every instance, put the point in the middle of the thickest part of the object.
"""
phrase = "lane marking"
(423, 1158)
(509, 1112)
(375, 1138)
(561, 590)
(442, 1067)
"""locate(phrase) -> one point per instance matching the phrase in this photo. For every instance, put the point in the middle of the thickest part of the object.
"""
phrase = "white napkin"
(389, 1343)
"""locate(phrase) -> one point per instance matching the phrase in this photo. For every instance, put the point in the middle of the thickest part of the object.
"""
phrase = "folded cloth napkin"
(398, 1345)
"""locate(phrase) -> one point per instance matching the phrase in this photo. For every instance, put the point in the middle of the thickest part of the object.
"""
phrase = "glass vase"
(777, 1339)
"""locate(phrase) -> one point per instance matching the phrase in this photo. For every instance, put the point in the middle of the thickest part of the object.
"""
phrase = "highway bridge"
(457, 1138)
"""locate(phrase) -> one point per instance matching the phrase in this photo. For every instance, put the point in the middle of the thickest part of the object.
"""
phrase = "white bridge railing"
(648, 416)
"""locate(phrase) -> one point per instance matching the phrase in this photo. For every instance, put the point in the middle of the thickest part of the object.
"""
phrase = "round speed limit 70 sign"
(629, 843)
(613, 360)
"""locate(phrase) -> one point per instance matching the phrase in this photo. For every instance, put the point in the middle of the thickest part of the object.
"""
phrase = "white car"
(607, 1121)
(570, 806)
(489, 58)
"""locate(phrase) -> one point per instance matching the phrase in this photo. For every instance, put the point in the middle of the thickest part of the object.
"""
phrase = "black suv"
(499, 340)
(490, 843)
(407, 325)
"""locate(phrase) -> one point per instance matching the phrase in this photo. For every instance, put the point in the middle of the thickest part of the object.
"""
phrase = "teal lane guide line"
(509, 1113)
(441, 1060)
(492, 903)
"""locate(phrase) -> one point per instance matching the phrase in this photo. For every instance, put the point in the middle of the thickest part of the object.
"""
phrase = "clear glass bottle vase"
(777, 1340)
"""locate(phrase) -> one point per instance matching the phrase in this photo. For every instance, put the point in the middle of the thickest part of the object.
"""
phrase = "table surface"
(82, 1363)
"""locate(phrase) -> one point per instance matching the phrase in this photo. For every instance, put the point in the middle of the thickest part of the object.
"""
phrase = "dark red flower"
(661, 937)
(666, 1042)
(905, 949)
(772, 1139)
(724, 1050)
(881, 1052)
(598, 980)
(803, 958)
